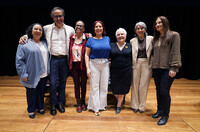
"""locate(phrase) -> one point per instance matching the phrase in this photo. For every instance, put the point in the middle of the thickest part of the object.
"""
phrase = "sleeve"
(110, 55)
(72, 31)
(109, 40)
(20, 62)
(175, 55)
(131, 55)
(88, 44)
(152, 53)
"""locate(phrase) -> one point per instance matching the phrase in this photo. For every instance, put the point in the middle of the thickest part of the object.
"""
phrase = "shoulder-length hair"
(142, 24)
(166, 29)
(30, 28)
(93, 27)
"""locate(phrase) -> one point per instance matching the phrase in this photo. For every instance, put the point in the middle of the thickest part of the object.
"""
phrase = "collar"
(75, 36)
(54, 26)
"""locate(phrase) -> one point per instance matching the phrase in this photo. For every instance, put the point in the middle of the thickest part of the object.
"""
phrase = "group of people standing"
(56, 48)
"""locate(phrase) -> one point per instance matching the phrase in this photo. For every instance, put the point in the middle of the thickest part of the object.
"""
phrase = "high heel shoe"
(118, 110)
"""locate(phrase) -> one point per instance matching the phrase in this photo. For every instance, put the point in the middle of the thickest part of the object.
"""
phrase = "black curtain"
(184, 19)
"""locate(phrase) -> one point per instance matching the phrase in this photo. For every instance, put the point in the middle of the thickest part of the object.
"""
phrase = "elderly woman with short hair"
(121, 67)
(142, 72)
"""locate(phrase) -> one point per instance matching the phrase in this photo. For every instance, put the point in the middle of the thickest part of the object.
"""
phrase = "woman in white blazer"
(142, 72)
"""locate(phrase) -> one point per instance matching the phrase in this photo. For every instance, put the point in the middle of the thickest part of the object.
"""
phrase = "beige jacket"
(168, 56)
(149, 47)
(48, 32)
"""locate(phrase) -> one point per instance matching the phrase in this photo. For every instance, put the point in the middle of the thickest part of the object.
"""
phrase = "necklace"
(78, 40)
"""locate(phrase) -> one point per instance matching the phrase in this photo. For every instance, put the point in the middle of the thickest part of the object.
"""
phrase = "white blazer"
(149, 47)
(48, 32)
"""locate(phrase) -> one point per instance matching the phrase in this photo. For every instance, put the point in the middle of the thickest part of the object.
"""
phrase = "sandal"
(97, 113)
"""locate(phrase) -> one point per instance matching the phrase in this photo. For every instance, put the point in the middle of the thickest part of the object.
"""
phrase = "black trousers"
(35, 96)
(163, 84)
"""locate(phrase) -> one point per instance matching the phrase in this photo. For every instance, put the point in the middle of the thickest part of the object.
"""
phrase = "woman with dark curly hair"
(32, 65)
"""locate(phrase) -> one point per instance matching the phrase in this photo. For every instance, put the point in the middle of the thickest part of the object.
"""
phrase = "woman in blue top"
(97, 65)
(32, 65)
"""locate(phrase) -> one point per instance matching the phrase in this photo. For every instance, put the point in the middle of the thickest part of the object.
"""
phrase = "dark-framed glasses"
(58, 16)
(79, 26)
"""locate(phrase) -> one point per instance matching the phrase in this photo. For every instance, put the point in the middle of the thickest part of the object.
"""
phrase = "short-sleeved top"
(100, 48)
(121, 68)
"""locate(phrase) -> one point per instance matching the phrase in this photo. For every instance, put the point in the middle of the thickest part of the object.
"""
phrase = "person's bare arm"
(87, 56)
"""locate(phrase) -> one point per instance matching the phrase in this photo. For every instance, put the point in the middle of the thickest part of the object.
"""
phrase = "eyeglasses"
(79, 26)
(58, 16)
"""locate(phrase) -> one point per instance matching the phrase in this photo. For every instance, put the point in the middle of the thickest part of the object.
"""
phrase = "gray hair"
(57, 8)
(140, 24)
(122, 30)
(143, 25)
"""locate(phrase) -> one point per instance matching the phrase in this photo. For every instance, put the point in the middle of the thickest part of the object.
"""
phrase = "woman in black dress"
(121, 67)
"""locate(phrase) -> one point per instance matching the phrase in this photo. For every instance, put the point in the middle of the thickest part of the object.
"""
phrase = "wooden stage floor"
(184, 116)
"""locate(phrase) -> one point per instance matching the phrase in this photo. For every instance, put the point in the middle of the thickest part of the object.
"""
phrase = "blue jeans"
(163, 84)
(35, 96)
(58, 75)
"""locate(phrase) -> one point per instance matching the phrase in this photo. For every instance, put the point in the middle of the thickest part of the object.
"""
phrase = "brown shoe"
(78, 109)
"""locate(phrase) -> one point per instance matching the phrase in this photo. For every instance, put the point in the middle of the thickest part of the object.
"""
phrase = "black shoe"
(53, 110)
(42, 111)
(60, 108)
(78, 109)
(118, 110)
(84, 107)
(163, 120)
(32, 116)
(141, 111)
(135, 110)
(157, 114)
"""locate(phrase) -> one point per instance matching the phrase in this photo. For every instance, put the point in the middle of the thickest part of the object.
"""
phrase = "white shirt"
(58, 37)
(44, 53)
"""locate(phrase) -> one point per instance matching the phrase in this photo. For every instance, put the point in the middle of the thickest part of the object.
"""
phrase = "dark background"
(184, 17)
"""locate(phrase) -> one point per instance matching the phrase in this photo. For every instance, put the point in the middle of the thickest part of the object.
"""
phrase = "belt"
(100, 60)
(59, 56)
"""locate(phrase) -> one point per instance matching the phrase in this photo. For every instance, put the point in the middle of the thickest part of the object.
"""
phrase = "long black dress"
(121, 68)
